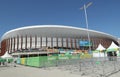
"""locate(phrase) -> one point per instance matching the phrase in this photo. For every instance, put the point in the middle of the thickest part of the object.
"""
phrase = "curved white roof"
(54, 31)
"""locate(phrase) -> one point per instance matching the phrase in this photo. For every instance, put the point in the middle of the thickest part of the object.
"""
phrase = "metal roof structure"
(55, 31)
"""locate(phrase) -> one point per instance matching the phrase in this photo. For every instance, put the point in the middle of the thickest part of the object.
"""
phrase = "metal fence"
(94, 67)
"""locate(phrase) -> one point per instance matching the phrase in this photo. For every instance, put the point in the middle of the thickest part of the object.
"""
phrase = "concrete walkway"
(25, 71)
(115, 74)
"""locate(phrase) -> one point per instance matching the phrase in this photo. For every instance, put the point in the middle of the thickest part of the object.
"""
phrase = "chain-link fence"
(94, 67)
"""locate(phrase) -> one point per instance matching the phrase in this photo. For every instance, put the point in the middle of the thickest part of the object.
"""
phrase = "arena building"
(50, 38)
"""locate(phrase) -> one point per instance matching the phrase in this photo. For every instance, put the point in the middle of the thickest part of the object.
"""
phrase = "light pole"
(86, 19)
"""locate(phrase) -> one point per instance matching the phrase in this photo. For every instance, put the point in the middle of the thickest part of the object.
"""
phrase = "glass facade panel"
(49, 42)
(38, 42)
(59, 39)
(16, 43)
(24, 41)
(73, 43)
(69, 45)
(59, 42)
(43, 44)
(19, 46)
(43, 39)
(54, 39)
(64, 42)
(49, 39)
(64, 39)
(54, 42)
(28, 42)
(12, 44)
(33, 42)
(77, 43)
(69, 40)
(8, 45)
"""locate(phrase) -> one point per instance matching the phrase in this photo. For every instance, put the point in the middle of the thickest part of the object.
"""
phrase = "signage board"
(85, 43)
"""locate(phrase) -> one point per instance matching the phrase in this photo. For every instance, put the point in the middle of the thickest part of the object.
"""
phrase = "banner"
(85, 43)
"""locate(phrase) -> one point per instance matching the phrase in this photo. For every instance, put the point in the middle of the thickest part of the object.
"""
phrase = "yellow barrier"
(86, 56)
(23, 61)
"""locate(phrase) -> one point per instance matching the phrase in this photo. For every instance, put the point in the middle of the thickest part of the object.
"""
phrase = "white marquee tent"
(100, 48)
(112, 47)
(98, 52)
(6, 55)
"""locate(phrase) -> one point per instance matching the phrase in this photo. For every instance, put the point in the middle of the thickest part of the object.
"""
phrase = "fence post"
(56, 63)
(114, 63)
(80, 69)
(92, 60)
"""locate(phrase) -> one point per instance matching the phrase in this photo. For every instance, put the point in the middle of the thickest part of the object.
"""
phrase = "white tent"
(112, 47)
(100, 48)
(6, 55)
(98, 53)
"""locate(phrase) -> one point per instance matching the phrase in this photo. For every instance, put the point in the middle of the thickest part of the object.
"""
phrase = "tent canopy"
(112, 47)
(6, 55)
(100, 48)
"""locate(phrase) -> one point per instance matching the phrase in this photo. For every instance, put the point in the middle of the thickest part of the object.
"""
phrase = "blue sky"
(103, 15)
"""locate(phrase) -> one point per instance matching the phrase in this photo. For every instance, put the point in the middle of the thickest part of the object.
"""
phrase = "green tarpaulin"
(112, 50)
(2, 60)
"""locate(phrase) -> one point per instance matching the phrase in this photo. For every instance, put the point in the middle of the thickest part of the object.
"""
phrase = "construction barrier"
(43, 61)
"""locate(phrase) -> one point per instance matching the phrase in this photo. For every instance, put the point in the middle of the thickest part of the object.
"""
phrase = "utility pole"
(86, 19)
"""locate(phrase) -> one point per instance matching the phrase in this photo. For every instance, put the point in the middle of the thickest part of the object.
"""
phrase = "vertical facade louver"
(51, 37)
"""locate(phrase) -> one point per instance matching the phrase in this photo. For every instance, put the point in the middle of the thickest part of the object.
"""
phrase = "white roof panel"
(54, 31)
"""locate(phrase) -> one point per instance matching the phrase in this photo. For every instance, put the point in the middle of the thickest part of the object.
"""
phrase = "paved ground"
(115, 75)
(25, 71)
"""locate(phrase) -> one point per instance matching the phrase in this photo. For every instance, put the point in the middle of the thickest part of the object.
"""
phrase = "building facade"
(52, 37)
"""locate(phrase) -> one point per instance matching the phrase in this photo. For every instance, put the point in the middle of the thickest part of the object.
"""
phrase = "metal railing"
(94, 67)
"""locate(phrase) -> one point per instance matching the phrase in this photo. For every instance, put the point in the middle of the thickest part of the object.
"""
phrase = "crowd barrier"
(83, 65)
(41, 61)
